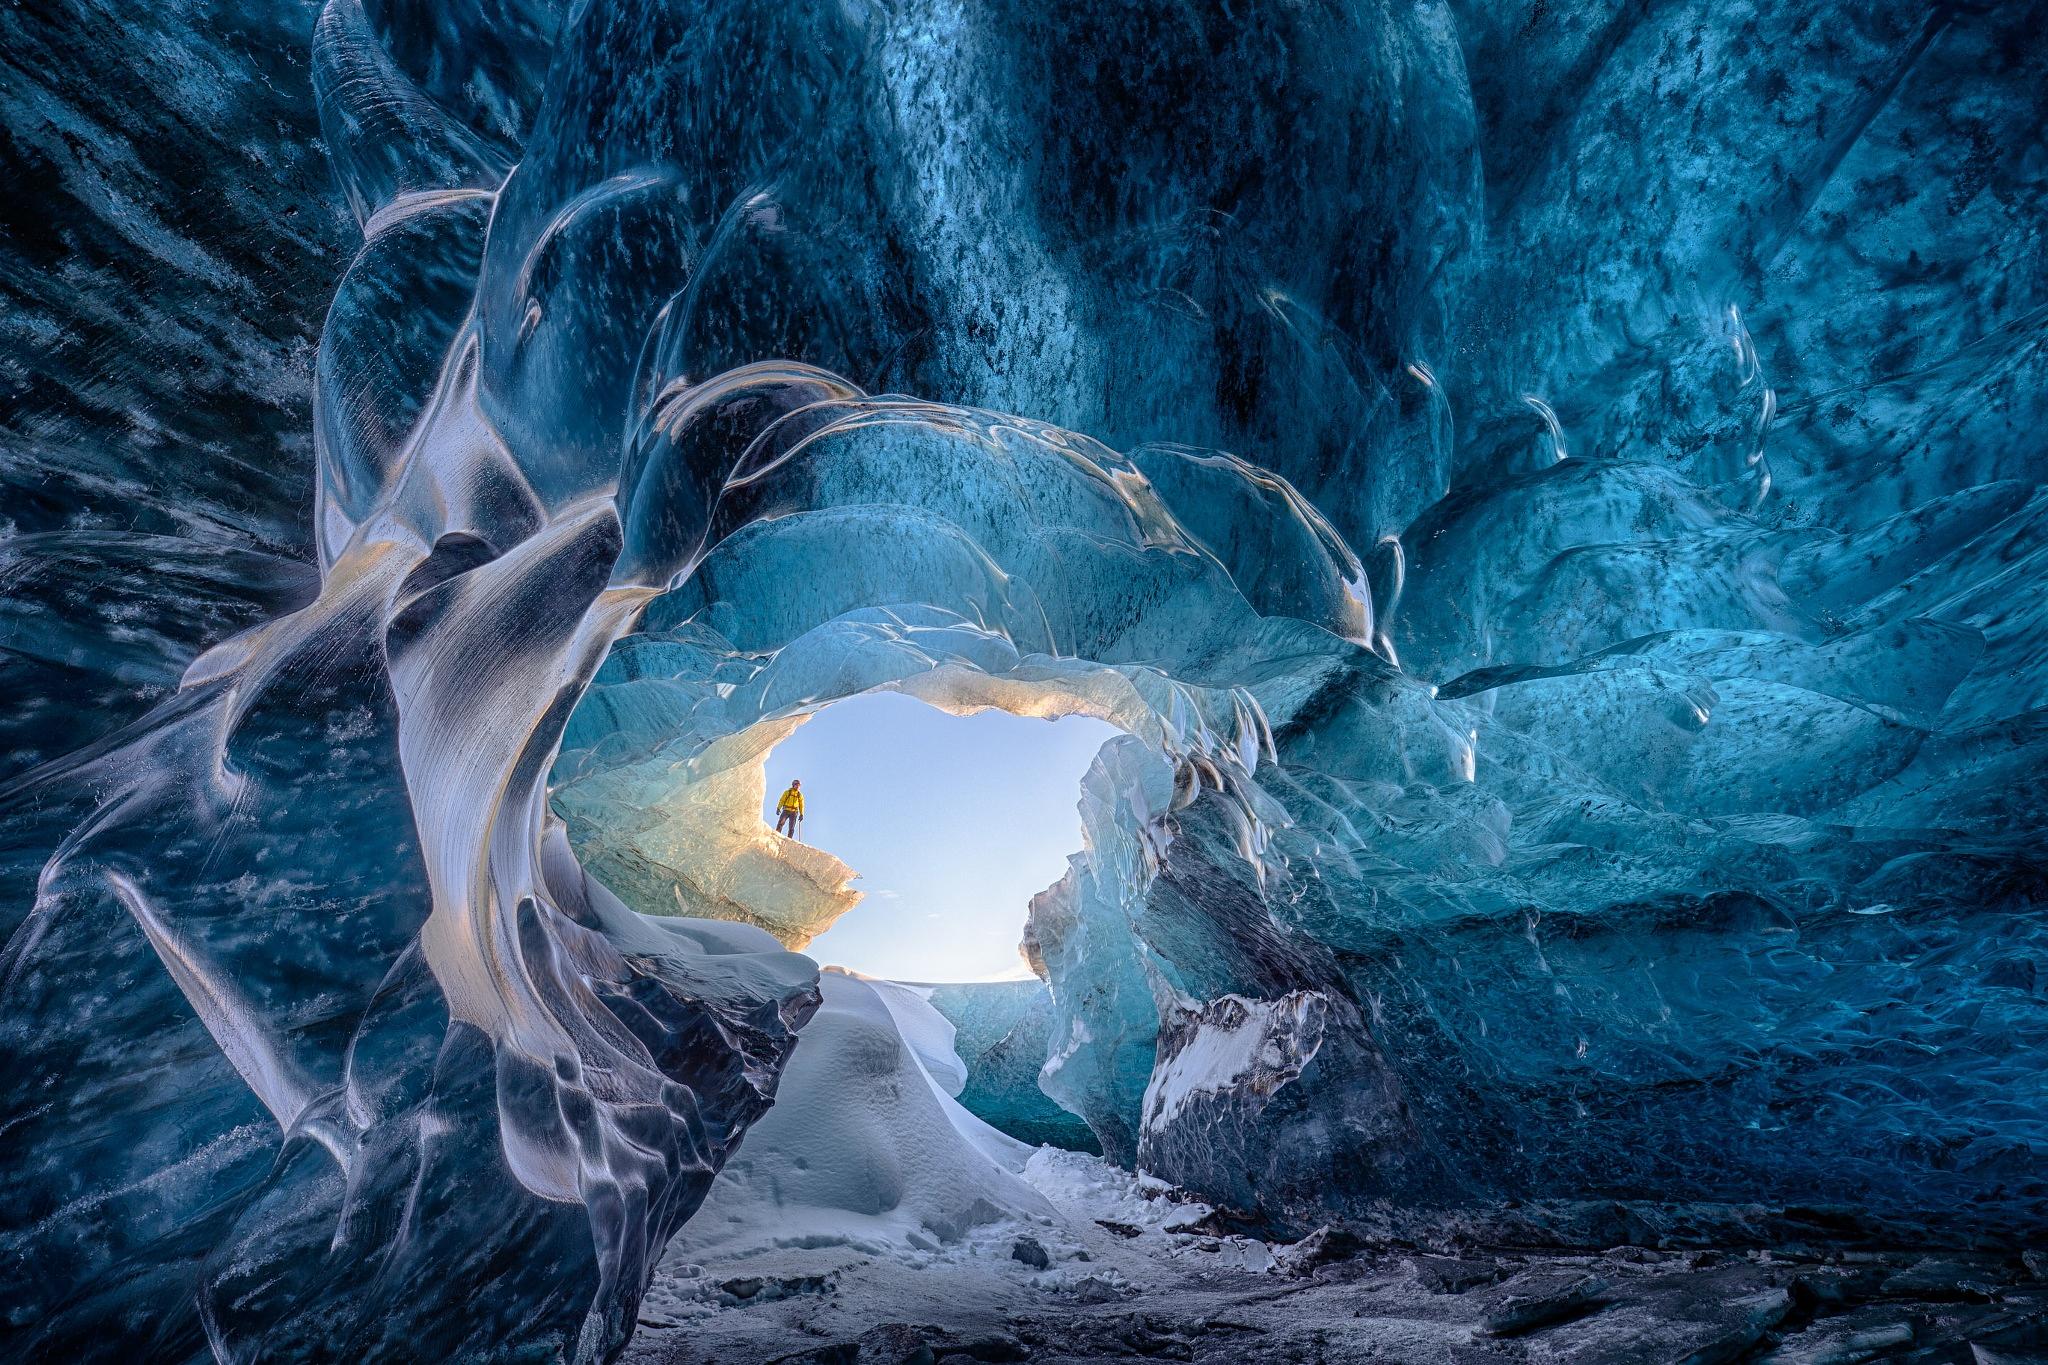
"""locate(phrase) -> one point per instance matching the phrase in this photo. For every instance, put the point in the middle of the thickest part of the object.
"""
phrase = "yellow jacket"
(792, 799)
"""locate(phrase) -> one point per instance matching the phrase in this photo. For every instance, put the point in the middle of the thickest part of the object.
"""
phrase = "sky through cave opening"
(953, 822)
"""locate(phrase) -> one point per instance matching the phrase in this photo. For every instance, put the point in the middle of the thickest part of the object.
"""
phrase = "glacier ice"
(1000, 1034)
(1550, 494)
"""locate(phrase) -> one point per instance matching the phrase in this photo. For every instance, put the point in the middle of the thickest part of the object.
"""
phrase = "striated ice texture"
(1552, 495)
(999, 1033)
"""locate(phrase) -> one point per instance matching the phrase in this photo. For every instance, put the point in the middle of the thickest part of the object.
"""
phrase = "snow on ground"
(869, 1218)
(1101, 1238)
(868, 1191)
(864, 1147)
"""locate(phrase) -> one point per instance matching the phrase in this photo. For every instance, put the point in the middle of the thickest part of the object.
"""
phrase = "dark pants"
(785, 823)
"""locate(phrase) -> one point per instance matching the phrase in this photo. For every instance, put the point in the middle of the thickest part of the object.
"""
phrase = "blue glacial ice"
(1552, 496)
(1000, 1033)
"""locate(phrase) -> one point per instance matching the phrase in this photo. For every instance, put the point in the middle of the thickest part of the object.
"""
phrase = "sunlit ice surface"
(953, 822)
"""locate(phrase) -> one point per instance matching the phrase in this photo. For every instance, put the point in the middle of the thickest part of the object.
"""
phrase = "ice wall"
(1551, 493)
(1000, 1032)
(318, 1042)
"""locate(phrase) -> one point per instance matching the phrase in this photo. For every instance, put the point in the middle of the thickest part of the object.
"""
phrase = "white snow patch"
(865, 1148)
(1236, 1044)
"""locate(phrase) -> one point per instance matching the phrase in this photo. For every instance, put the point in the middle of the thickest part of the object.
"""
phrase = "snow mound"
(865, 1147)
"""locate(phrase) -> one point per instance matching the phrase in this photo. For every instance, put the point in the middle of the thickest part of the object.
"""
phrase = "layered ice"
(1551, 496)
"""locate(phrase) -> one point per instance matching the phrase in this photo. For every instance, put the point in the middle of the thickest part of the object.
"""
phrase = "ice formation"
(1000, 1034)
(1551, 495)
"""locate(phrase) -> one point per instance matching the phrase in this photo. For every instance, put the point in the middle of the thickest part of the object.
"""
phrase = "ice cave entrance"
(953, 822)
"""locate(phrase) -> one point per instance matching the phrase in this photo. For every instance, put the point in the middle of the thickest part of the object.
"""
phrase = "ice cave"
(1547, 500)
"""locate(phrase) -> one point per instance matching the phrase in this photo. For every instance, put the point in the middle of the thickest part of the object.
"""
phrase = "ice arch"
(1324, 881)
(1011, 565)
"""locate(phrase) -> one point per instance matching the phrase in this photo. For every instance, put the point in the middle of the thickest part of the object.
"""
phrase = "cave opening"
(953, 822)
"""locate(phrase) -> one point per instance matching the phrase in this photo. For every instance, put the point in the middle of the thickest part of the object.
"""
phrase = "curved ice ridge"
(1583, 755)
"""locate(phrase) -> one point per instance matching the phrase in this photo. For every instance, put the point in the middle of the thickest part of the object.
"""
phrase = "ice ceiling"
(1552, 494)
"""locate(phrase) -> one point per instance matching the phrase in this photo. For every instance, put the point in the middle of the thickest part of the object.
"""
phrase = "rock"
(769, 1289)
(1670, 1320)
(995, 1346)
(1742, 1327)
(1537, 1298)
(1840, 1341)
(839, 1353)
(1031, 1252)
(1450, 1275)
(1154, 1339)
(2036, 1263)
(1104, 1288)
(1208, 1324)
(742, 1289)
(1985, 1355)
(1120, 1229)
(1942, 1279)
(1319, 1248)
(898, 1343)
(901, 1343)
(1832, 1284)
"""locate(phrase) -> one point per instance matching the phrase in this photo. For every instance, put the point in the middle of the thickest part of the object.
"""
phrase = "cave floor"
(1139, 1285)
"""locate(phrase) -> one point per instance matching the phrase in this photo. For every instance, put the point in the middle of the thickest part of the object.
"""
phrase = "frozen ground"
(1631, 1306)
(869, 1218)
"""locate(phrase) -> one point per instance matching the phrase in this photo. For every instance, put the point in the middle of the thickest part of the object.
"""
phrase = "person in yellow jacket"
(789, 811)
